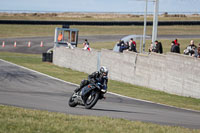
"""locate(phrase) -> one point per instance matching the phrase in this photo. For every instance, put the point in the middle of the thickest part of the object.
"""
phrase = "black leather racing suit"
(94, 77)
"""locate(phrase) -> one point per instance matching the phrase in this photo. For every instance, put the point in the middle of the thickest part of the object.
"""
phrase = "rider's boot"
(102, 96)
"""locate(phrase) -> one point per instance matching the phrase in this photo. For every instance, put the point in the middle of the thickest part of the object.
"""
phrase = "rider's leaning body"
(100, 76)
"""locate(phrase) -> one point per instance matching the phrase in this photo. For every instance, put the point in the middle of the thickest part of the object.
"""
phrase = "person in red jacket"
(176, 42)
(132, 45)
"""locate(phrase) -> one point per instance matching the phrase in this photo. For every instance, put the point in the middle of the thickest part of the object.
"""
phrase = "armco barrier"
(172, 73)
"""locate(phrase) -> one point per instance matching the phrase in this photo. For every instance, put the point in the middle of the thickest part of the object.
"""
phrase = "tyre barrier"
(47, 57)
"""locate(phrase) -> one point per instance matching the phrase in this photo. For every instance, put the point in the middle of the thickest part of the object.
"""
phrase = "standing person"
(86, 45)
(132, 45)
(60, 37)
(175, 48)
(158, 48)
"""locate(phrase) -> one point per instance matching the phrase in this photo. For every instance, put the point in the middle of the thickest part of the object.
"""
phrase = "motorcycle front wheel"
(91, 99)
(72, 102)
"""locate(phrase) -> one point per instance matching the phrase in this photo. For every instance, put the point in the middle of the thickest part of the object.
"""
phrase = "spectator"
(198, 52)
(122, 46)
(132, 45)
(86, 45)
(172, 46)
(190, 49)
(176, 42)
(86, 42)
(175, 48)
(60, 37)
(151, 47)
(126, 46)
(119, 43)
(158, 48)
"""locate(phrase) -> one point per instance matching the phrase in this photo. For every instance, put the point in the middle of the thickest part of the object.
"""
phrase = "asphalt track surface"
(49, 41)
(29, 89)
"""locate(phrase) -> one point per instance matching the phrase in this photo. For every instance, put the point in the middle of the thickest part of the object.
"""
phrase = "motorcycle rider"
(100, 76)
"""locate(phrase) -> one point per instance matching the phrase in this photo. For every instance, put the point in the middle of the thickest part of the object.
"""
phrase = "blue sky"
(100, 5)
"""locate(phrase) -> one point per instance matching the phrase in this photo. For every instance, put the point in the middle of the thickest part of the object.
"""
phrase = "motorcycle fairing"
(85, 91)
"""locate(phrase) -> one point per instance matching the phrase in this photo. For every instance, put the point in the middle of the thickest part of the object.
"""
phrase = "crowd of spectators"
(129, 46)
(191, 49)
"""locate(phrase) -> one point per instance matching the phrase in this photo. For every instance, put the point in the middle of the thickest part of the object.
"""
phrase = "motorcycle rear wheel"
(91, 100)
(71, 101)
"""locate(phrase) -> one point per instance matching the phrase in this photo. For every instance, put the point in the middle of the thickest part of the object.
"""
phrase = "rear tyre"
(91, 99)
(72, 102)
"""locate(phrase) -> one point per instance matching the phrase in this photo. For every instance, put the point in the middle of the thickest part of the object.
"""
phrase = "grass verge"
(18, 120)
(12, 31)
(34, 62)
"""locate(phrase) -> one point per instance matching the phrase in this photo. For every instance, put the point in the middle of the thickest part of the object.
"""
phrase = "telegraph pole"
(155, 21)
(145, 26)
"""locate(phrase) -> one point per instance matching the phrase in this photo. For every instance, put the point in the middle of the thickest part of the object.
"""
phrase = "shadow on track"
(120, 111)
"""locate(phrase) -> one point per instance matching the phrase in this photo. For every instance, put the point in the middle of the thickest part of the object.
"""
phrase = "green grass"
(18, 120)
(154, 96)
(10, 31)
(100, 45)
(34, 62)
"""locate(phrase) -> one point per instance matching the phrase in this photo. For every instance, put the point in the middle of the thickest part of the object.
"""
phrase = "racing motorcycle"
(87, 96)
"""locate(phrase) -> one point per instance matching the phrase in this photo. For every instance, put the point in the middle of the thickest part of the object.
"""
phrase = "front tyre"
(72, 102)
(91, 99)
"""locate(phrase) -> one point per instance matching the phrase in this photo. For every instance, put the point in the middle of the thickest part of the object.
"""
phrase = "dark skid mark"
(16, 75)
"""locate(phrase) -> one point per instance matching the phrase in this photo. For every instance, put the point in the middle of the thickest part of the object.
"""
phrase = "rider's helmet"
(103, 72)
